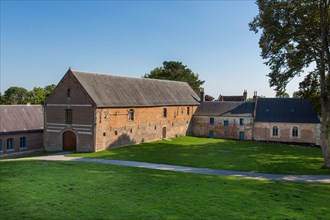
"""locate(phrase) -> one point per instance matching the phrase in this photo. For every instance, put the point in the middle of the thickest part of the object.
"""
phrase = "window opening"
(295, 131)
(131, 114)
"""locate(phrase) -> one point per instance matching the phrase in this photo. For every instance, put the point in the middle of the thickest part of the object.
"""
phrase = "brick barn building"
(89, 112)
(21, 129)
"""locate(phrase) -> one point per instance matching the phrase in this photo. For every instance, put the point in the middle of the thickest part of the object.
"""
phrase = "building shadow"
(122, 140)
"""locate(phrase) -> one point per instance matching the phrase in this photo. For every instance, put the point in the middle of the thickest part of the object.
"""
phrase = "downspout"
(45, 126)
(94, 126)
(255, 99)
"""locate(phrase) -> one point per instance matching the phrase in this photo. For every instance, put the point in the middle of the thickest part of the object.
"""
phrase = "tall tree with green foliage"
(19, 95)
(173, 70)
(38, 95)
(48, 90)
(15, 95)
(295, 35)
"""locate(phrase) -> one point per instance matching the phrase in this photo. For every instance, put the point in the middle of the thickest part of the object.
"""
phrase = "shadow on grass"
(222, 154)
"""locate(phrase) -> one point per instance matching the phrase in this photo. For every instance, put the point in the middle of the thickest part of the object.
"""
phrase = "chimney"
(202, 94)
(244, 95)
(255, 96)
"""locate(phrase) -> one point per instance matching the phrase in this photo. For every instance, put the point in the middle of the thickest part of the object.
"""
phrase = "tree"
(16, 95)
(172, 70)
(48, 90)
(295, 34)
(38, 95)
(2, 99)
(283, 95)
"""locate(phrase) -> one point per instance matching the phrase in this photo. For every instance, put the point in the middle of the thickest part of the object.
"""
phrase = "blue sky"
(41, 40)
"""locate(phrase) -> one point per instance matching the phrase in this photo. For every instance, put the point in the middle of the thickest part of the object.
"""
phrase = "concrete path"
(184, 169)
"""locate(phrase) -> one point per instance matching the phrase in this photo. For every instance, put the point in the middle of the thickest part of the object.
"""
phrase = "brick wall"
(307, 132)
(202, 127)
(114, 128)
(69, 94)
(33, 141)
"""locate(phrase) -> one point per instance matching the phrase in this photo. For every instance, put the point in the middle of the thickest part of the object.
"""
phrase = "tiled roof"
(285, 110)
(118, 91)
(228, 108)
(21, 118)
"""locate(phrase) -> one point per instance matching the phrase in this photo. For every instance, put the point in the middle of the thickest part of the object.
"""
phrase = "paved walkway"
(184, 169)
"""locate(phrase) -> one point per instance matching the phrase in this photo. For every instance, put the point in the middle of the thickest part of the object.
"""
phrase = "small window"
(295, 131)
(10, 144)
(211, 121)
(165, 112)
(0, 144)
(131, 115)
(22, 142)
(241, 121)
(116, 132)
(68, 93)
(188, 110)
(275, 131)
(225, 123)
(68, 116)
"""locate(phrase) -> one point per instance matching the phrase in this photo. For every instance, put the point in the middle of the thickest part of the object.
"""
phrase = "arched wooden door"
(164, 132)
(69, 141)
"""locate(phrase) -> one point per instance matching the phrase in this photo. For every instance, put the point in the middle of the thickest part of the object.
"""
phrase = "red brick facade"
(73, 118)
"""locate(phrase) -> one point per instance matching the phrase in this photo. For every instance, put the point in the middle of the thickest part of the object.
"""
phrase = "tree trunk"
(324, 57)
(324, 136)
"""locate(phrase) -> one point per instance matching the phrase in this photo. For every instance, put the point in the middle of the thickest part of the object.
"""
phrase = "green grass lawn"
(73, 190)
(222, 154)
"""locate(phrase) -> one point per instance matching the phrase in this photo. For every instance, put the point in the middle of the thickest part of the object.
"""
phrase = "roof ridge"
(127, 77)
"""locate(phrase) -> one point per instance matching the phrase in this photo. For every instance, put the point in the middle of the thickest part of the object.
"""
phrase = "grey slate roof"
(227, 108)
(285, 110)
(21, 118)
(118, 91)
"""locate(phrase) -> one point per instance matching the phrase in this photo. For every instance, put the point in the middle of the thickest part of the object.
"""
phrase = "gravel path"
(259, 176)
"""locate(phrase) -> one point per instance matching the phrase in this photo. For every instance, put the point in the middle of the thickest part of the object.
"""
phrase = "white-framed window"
(275, 131)
(295, 131)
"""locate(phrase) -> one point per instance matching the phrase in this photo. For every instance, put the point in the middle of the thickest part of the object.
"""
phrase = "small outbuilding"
(286, 120)
(21, 129)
